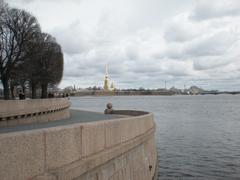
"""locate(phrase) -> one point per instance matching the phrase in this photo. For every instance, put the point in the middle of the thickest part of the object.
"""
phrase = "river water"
(198, 137)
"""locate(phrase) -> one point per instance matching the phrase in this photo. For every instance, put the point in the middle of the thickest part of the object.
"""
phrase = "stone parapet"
(16, 112)
(120, 149)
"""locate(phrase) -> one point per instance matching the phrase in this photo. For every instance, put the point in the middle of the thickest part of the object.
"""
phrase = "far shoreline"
(155, 95)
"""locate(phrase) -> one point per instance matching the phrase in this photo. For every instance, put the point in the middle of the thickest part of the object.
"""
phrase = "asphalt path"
(77, 116)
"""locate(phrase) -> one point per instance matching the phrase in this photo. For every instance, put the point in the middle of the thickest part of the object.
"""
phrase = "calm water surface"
(198, 137)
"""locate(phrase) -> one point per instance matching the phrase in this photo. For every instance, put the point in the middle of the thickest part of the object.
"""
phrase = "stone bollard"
(109, 109)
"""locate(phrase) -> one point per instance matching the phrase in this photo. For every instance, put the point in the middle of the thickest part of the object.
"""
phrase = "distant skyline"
(144, 42)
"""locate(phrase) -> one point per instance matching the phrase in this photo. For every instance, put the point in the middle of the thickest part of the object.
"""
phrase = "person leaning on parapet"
(21, 95)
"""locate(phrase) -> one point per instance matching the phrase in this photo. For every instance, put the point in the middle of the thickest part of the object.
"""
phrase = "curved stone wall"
(15, 112)
(118, 149)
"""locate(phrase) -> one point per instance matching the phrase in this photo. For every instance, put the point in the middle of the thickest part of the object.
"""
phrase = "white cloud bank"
(145, 42)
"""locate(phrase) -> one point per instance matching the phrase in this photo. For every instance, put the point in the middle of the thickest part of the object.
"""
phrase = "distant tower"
(112, 87)
(106, 79)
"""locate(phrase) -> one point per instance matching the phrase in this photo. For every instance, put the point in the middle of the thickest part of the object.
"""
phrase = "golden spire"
(106, 80)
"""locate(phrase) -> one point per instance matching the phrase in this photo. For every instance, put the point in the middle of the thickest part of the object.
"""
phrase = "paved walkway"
(77, 116)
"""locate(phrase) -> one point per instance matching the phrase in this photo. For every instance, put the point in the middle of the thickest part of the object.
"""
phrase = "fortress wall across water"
(15, 112)
(118, 149)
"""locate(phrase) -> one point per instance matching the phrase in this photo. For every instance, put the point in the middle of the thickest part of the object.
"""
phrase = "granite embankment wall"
(16, 112)
(117, 149)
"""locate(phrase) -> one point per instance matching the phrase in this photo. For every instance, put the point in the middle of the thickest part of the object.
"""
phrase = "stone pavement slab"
(77, 116)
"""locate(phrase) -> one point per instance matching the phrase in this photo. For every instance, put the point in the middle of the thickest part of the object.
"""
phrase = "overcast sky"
(145, 42)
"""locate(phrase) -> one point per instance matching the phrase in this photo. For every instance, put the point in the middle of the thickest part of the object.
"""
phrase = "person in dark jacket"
(21, 95)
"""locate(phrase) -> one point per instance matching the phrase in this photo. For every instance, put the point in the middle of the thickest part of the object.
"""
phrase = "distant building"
(106, 80)
(106, 85)
(195, 90)
(112, 87)
(175, 90)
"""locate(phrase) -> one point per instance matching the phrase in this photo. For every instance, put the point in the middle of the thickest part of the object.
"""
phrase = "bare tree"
(32, 66)
(16, 29)
(43, 63)
(51, 63)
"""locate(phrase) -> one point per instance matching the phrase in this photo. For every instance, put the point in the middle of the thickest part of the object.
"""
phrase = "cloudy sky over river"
(145, 42)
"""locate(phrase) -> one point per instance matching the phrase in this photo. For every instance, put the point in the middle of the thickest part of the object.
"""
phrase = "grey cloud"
(215, 9)
(178, 33)
(32, 1)
(213, 45)
(210, 63)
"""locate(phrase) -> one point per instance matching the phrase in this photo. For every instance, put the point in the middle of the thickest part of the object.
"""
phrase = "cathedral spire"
(106, 80)
(106, 70)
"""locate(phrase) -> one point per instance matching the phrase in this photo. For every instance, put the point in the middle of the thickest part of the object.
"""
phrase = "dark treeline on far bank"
(99, 91)
(30, 60)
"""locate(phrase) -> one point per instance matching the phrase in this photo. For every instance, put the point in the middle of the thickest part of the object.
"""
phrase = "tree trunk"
(12, 91)
(23, 88)
(6, 90)
(34, 89)
(44, 91)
